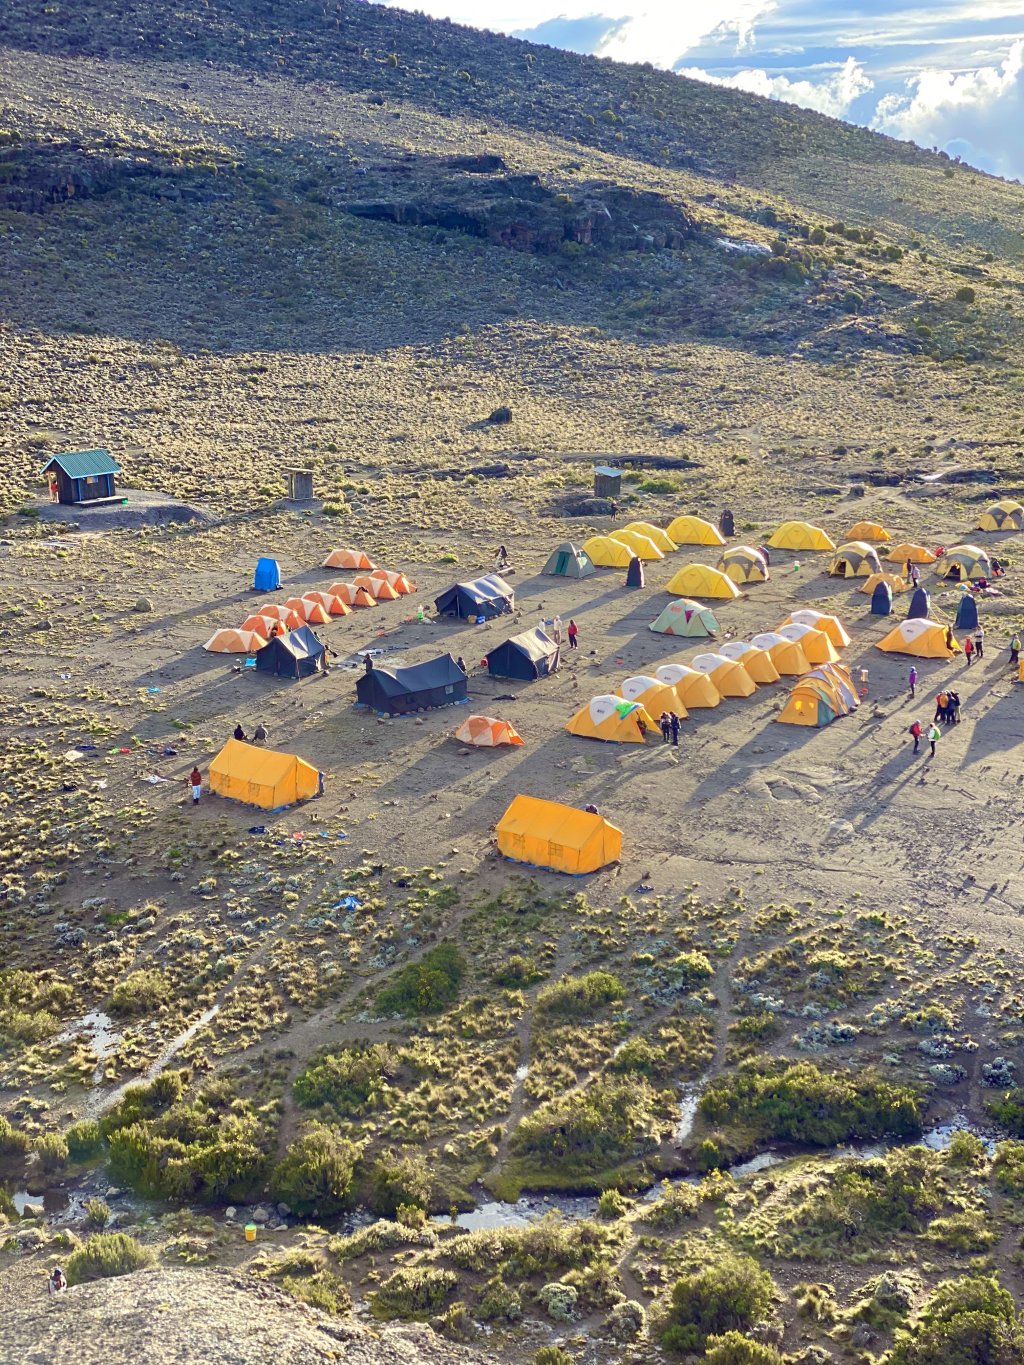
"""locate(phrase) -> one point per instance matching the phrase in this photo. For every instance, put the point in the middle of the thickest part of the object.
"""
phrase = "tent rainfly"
(909, 553)
(729, 676)
(963, 562)
(484, 597)
(399, 691)
(869, 531)
(820, 620)
(787, 655)
(815, 643)
(855, 559)
(612, 719)
(566, 561)
(757, 662)
(299, 654)
(800, 535)
(485, 732)
(744, 564)
(401, 584)
(654, 696)
(686, 618)
(1005, 515)
(548, 834)
(234, 642)
(700, 580)
(655, 534)
(607, 552)
(347, 559)
(642, 546)
(892, 580)
(921, 638)
(688, 530)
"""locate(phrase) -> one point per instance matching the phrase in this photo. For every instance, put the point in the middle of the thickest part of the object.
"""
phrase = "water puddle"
(100, 1032)
(100, 1103)
(522, 1072)
(688, 1103)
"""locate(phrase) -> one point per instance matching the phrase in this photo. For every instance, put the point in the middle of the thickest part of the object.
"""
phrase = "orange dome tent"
(348, 559)
(312, 613)
(330, 603)
(484, 732)
(909, 553)
(288, 617)
(398, 581)
(262, 625)
(234, 642)
(353, 595)
(378, 588)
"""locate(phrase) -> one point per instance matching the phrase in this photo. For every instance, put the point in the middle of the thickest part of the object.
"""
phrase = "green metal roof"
(84, 464)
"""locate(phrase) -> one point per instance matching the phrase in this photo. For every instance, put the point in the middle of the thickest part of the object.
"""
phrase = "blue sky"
(944, 73)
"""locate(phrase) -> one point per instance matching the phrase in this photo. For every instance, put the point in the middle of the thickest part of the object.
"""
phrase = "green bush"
(553, 1355)
(1008, 1111)
(690, 970)
(517, 971)
(732, 1348)
(52, 1152)
(105, 1255)
(84, 1140)
(612, 1204)
(660, 484)
(638, 1055)
(965, 294)
(140, 992)
(12, 1140)
(315, 1177)
(1008, 1167)
(399, 1180)
(426, 986)
(797, 1102)
(546, 1248)
(349, 1081)
(499, 1300)
(590, 1130)
(413, 1292)
(969, 1321)
(730, 1294)
(97, 1213)
(576, 997)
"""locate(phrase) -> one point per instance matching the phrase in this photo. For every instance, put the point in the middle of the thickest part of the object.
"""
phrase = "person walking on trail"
(979, 642)
(941, 702)
(1014, 648)
(572, 630)
(969, 651)
(196, 779)
(915, 730)
(934, 735)
(912, 681)
(673, 721)
(666, 727)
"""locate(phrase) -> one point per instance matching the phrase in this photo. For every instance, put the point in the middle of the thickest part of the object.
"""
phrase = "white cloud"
(979, 114)
(662, 31)
(833, 95)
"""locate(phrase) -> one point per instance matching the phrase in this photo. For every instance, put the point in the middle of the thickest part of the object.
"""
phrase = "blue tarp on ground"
(267, 577)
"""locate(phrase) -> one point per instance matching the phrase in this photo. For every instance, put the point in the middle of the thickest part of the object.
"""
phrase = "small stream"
(102, 1035)
(98, 1102)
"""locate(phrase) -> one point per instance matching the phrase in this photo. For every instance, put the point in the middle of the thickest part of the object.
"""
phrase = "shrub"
(661, 484)
(349, 1081)
(1008, 1167)
(397, 1181)
(143, 1102)
(691, 970)
(576, 997)
(380, 1236)
(52, 1152)
(558, 1301)
(851, 301)
(547, 1247)
(553, 1355)
(517, 971)
(413, 1292)
(797, 1102)
(731, 1293)
(499, 1300)
(965, 294)
(612, 1204)
(893, 253)
(639, 1055)
(972, 1319)
(84, 1140)
(677, 1203)
(1008, 1111)
(316, 1174)
(609, 1122)
(426, 986)
(732, 1348)
(104, 1255)
(140, 992)
(12, 1140)
(626, 1321)
(324, 1290)
(97, 1213)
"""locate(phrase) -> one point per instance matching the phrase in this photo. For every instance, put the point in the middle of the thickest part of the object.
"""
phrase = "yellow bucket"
(250, 1232)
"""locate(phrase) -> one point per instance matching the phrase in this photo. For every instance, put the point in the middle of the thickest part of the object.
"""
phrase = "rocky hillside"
(212, 1317)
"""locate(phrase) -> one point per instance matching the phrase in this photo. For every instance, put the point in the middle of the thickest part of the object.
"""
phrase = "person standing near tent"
(666, 727)
(953, 709)
(915, 576)
(195, 777)
(673, 721)
(979, 641)
(915, 730)
(950, 641)
(934, 735)
(941, 702)
(572, 630)
(1014, 648)
(556, 629)
(969, 651)
(906, 572)
(912, 681)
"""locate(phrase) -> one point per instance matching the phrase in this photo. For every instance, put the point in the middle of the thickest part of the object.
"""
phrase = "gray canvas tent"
(569, 562)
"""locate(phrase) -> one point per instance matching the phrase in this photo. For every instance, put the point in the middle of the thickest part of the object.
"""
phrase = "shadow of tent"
(996, 732)
(786, 739)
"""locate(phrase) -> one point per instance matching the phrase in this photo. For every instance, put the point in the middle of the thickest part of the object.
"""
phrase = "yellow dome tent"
(696, 691)
(813, 701)
(700, 580)
(743, 564)
(612, 719)
(1005, 515)
(856, 559)
(816, 645)
(655, 534)
(868, 530)
(729, 676)
(800, 535)
(757, 662)
(842, 680)
(235, 642)
(642, 546)
(787, 655)
(831, 625)
(963, 562)
(922, 638)
(548, 834)
(909, 553)
(654, 696)
(262, 777)
(607, 552)
(694, 531)
(895, 582)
